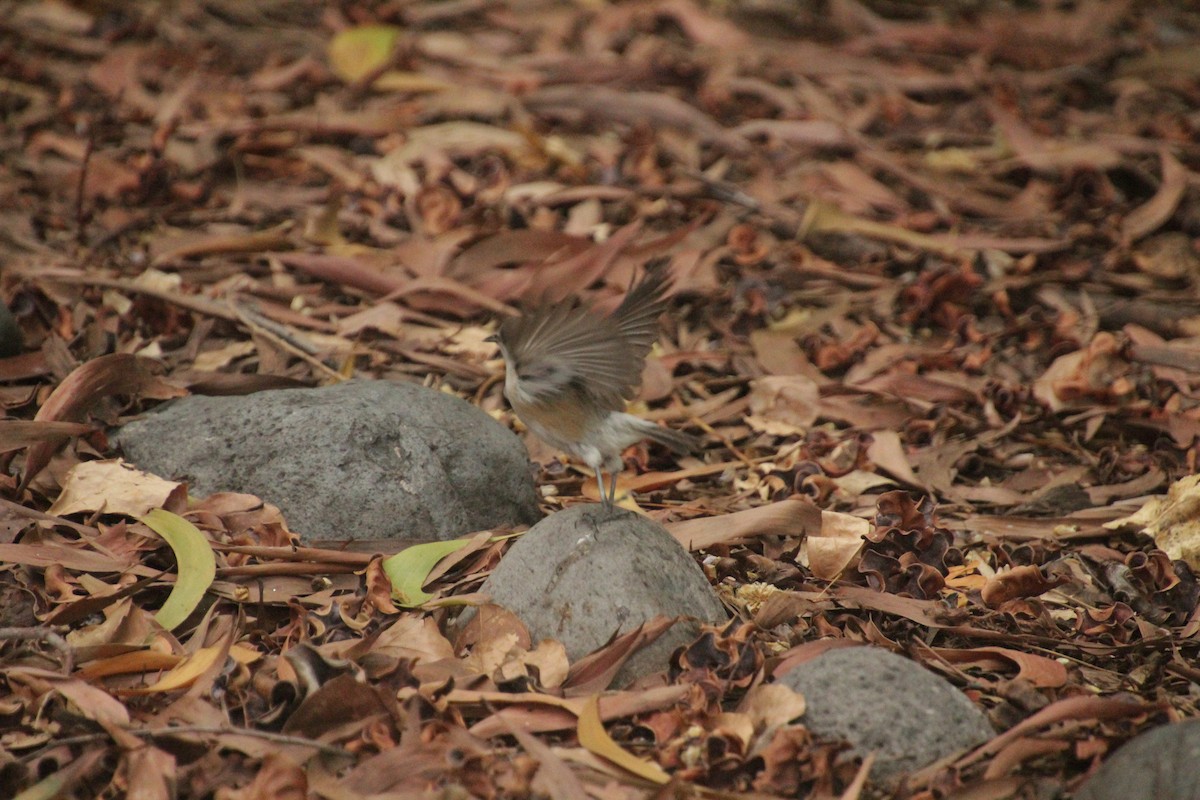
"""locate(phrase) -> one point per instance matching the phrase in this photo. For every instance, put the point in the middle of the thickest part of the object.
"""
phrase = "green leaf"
(409, 569)
(357, 52)
(197, 565)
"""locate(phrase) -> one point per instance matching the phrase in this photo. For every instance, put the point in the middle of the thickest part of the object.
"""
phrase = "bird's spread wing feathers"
(565, 345)
(637, 316)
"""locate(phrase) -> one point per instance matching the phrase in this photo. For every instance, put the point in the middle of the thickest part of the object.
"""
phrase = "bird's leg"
(612, 492)
(604, 498)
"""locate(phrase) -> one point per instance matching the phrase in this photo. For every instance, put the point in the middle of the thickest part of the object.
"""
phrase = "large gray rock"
(585, 573)
(883, 703)
(358, 460)
(1158, 765)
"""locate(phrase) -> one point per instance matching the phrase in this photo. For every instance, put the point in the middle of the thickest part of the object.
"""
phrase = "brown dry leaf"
(114, 487)
(770, 706)
(1154, 213)
(412, 636)
(55, 553)
(503, 659)
(90, 701)
(178, 246)
(783, 405)
(1051, 155)
(132, 663)
(1168, 255)
(446, 140)
(637, 108)
(508, 248)
(791, 517)
(18, 433)
(837, 545)
(279, 778)
(536, 712)
(336, 704)
(594, 672)
(554, 778)
(887, 453)
(150, 774)
(88, 384)
(1042, 672)
(1081, 707)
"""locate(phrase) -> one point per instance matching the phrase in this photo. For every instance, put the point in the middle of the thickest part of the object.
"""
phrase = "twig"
(217, 730)
(267, 329)
(46, 636)
(41, 516)
(88, 148)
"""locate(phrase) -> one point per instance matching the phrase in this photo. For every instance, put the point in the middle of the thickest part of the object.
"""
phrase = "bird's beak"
(494, 338)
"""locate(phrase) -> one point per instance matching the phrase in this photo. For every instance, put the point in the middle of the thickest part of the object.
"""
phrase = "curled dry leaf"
(1022, 581)
(1096, 374)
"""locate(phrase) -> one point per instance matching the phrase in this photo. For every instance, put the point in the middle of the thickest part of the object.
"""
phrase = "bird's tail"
(677, 441)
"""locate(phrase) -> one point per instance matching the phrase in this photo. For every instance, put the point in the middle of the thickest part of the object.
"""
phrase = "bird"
(569, 371)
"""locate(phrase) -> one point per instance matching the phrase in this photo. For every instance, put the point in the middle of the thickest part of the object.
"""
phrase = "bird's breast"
(562, 421)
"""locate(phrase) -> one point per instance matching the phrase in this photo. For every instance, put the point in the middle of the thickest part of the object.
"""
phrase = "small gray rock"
(585, 573)
(358, 460)
(1161, 764)
(883, 703)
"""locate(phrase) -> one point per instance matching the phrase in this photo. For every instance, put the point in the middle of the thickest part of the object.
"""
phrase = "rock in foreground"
(585, 573)
(884, 703)
(359, 460)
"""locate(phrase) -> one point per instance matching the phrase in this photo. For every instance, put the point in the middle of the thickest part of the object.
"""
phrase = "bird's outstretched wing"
(637, 316)
(568, 347)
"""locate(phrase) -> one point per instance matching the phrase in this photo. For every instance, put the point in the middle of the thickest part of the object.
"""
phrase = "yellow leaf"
(197, 565)
(186, 672)
(243, 654)
(596, 740)
(357, 52)
(409, 569)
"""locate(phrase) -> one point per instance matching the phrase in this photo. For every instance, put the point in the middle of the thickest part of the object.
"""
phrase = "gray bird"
(569, 372)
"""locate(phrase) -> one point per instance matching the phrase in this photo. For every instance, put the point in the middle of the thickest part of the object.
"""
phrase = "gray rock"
(585, 573)
(359, 460)
(883, 703)
(1161, 764)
